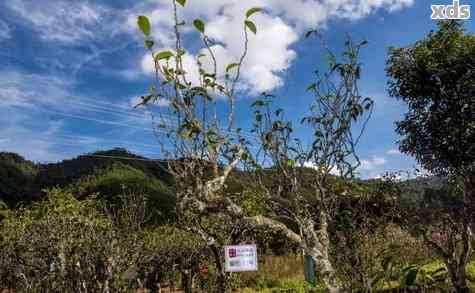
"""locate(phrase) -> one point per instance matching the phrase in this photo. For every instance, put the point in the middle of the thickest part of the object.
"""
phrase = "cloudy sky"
(70, 69)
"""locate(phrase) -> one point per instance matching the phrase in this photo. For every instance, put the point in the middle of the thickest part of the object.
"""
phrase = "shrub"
(169, 252)
(61, 245)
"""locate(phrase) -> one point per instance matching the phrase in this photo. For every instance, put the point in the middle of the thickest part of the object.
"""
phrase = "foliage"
(168, 251)
(61, 245)
(16, 179)
(309, 202)
(289, 286)
(201, 147)
(434, 77)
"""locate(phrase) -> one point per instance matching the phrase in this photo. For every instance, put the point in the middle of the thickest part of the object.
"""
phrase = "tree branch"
(275, 226)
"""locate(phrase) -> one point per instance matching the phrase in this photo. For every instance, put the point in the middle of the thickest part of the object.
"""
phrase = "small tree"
(363, 232)
(307, 198)
(167, 251)
(203, 147)
(435, 77)
(201, 144)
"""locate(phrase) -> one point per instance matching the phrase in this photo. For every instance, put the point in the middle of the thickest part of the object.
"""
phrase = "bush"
(168, 253)
(62, 245)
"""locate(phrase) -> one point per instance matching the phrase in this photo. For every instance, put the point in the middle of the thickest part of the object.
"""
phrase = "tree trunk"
(186, 281)
(318, 247)
(458, 275)
(221, 278)
(324, 269)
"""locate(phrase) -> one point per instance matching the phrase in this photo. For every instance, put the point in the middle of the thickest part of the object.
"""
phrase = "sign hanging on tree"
(240, 258)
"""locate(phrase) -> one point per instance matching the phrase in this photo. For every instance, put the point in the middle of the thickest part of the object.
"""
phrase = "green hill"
(105, 174)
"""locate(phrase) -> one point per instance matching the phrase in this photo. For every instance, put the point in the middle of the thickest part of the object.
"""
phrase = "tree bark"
(458, 275)
(186, 281)
(314, 243)
(318, 247)
(325, 270)
(221, 278)
(458, 267)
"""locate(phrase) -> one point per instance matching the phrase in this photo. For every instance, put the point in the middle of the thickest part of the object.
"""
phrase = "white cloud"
(393, 152)
(35, 144)
(5, 31)
(35, 110)
(68, 21)
(270, 52)
(189, 63)
(27, 90)
(333, 171)
(372, 163)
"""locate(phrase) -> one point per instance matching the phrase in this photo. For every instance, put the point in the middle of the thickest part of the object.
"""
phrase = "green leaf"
(411, 277)
(258, 103)
(251, 26)
(163, 55)
(145, 100)
(252, 11)
(181, 2)
(231, 66)
(185, 134)
(312, 87)
(181, 52)
(369, 105)
(199, 25)
(310, 33)
(258, 117)
(144, 25)
(149, 44)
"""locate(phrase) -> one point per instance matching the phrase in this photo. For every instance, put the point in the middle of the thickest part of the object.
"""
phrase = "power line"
(104, 109)
(115, 123)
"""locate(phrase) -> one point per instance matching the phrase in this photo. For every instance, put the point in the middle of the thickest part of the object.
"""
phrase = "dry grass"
(276, 268)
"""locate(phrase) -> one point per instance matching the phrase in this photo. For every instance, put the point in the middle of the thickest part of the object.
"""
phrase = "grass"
(278, 274)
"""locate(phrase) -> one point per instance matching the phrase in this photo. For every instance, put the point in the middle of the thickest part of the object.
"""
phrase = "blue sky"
(70, 70)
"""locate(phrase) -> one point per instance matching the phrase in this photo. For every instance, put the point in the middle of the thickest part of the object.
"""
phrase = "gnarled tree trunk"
(317, 245)
(458, 276)
(221, 274)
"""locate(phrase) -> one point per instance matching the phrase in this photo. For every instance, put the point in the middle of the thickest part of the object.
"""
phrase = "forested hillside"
(23, 181)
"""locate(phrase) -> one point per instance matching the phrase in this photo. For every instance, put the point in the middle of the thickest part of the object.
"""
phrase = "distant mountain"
(68, 171)
(108, 171)
(23, 181)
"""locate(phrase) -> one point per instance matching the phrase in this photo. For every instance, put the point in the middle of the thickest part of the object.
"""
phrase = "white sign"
(240, 258)
(454, 11)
